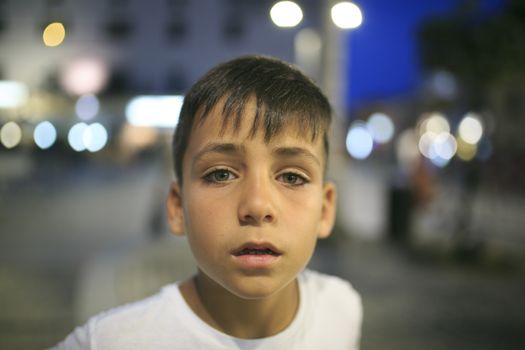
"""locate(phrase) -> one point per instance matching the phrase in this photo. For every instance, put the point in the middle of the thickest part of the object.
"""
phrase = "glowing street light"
(10, 134)
(87, 107)
(286, 14)
(95, 137)
(13, 94)
(470, 128)
(54, 34)
(154, 111)
(380, 127)
(84, 76)
(45, 135)
(359, 142)
(346, 15)
(75, 137)
(83, 137)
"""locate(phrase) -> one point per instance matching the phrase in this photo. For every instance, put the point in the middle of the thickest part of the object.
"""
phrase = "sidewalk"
(415, 302)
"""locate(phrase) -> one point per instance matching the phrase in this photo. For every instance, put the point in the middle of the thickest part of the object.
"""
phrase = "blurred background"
(427, 152)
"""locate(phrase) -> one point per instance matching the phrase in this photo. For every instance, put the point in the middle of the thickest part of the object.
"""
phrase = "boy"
(250, 153)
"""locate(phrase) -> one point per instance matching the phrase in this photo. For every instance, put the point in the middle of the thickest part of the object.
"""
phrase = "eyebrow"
(221, 148)
(290, 152)
(235, 149)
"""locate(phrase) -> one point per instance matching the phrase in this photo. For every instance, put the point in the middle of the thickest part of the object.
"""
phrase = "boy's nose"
(256, 205)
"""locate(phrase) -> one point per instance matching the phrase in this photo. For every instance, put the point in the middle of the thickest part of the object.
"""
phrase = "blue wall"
(383, 53)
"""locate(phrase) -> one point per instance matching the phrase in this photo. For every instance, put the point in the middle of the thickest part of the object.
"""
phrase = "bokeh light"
(407, 149)
(444, 85)
(12, 94)
(437, 123)
(425, 145)
(54, 34)
(286, 14)
(95, 137)
(470, 128)
(45, 135)
(380, 127)
(438, 147)
(87, 107)
(445, 145)
(439, 162)
(346, 15)
(84, 76)
(359, 142)
(466, 151)
(154, 111)
(92, 137)
(75, 137)
(10, 135)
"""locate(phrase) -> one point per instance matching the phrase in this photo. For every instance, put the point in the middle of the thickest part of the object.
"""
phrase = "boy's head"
(283, 96)
(250, 153)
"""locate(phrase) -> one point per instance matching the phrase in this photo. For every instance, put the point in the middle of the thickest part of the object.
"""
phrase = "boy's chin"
(256, 287)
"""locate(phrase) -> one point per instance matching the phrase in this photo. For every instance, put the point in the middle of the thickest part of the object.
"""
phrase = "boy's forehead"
(217, 131)
(217, 124)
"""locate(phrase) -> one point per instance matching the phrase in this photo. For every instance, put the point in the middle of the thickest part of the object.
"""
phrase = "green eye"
(293, 179)
(219, 175)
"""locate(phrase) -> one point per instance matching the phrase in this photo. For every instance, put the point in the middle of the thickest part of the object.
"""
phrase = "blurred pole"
(323, 56)
(334, 58)
(308, 52)
(333, 81)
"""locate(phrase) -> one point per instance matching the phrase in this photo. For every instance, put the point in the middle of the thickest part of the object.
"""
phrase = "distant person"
(250, 153)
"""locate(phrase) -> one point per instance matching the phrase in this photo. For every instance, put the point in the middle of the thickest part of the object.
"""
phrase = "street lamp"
(346, 15)
(286, 14)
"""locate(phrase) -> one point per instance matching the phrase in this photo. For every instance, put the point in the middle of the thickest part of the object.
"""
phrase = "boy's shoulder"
(144, 317)
(331, 295)
(324, 285)
(141, 313)
(335, 311)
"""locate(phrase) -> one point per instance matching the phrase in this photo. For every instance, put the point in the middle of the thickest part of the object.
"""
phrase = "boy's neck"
(241, 318)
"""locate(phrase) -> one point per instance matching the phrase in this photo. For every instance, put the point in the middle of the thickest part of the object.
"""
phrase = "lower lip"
(255, 261)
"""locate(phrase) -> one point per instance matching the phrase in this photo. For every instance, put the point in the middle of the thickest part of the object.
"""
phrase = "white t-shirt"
(329, 317)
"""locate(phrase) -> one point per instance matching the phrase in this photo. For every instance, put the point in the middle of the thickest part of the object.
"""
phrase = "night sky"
(383, 53)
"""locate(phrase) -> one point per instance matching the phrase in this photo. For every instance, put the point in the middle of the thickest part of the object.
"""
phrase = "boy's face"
(252, 211)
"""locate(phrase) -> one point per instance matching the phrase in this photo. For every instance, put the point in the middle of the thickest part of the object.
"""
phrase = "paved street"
(93, 239)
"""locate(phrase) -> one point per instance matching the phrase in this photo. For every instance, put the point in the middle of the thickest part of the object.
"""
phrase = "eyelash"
(302, 179)
(209, 177)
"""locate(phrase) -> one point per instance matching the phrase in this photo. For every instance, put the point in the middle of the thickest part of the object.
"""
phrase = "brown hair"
(283, 96)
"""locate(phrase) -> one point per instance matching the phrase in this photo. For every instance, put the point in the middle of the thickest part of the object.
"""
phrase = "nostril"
(268, 218)
(252, 219)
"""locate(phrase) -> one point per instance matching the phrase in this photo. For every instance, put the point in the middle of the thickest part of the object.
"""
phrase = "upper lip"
(256, 245)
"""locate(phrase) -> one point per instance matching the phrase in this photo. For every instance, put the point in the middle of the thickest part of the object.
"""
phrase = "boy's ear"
(175, 210)
(328, 210)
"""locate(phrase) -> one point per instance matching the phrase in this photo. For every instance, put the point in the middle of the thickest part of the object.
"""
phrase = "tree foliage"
(479, 49)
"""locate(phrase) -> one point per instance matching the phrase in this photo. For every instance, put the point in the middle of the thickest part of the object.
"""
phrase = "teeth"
(248, 251)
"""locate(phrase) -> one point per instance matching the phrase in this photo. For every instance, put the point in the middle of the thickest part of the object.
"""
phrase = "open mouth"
(256, 249)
